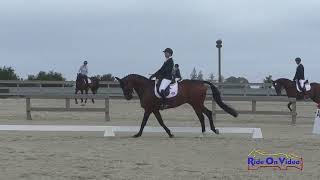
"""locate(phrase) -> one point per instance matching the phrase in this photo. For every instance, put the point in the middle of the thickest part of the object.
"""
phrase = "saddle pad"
(307, 86)
(173, 91)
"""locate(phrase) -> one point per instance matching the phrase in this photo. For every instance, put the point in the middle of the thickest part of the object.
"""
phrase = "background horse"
(192, 92)
(82, 86)
(291, 90)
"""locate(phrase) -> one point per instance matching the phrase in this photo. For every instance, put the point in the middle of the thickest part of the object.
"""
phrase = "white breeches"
(302, 83)
(164, 84)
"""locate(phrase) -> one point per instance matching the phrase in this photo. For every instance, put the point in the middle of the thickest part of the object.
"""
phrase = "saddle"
(170, 91)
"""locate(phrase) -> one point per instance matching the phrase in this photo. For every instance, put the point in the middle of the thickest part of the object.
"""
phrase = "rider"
(299, 76)
(164, 74)
(176, 73)
(83, 71)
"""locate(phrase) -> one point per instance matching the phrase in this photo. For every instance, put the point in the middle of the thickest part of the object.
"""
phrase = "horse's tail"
(217, 97)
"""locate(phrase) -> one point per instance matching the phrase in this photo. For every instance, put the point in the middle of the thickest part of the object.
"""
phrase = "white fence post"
(107, 113)
(28, 108)
(68, 103)
(254, 106)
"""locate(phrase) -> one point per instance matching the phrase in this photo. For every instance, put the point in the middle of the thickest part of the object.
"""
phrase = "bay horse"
(192, 92)
(82, 86)
(292, 92)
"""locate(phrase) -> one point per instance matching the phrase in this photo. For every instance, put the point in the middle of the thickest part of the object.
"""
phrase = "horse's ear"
(118, 79)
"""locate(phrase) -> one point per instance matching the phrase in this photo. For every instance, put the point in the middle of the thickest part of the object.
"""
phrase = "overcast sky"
(260, 37)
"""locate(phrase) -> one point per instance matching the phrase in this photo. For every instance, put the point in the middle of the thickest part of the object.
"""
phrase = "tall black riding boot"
(86, 79)
(163, 100)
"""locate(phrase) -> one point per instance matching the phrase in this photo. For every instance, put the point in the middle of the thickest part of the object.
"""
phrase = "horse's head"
(277, 86)
(283, 83)
(127, 87)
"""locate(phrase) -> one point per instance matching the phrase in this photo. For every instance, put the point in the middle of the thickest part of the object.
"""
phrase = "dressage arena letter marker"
(316, 125)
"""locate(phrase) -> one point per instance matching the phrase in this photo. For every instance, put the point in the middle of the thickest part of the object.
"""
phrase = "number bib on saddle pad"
(171, 90)
(89, 80)
(307, 85)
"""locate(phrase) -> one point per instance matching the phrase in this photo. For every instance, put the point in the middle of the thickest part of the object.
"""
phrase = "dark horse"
(83, 87)
(192, 92)
(292, 92)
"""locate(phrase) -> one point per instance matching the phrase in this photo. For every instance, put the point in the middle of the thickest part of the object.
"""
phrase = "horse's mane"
(135, 76)
(283, 79)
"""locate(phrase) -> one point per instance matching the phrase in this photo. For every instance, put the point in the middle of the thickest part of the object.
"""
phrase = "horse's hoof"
(136, 136)
(216, 131)
(171, 136)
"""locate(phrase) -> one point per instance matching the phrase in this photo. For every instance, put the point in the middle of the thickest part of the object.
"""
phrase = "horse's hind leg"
(289, 106)
(76, 100)
(143, 124)
(208, 113)
(198, 110)
(159, 118)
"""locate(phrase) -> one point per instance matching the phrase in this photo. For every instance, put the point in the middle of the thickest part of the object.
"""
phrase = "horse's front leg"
(289, 106)
(81, 98)
(76, 100)
(143, 124)
(159, 118)
(93, 92)
(85, 101)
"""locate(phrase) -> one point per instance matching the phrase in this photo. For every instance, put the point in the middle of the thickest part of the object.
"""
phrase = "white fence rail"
(105, 109)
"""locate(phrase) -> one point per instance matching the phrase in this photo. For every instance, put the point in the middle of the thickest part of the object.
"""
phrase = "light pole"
(219, 46)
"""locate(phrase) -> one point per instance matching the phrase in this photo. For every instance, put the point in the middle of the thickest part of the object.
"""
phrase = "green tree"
(236, 80)
(47, 76)
(200, 76)
(8, 73)
(193, 74)
(267, 80)
(106, 77)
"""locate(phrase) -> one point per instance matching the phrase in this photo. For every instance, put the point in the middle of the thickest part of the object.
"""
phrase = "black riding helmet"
(168, 50)
(298, 59)
(85, 62)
